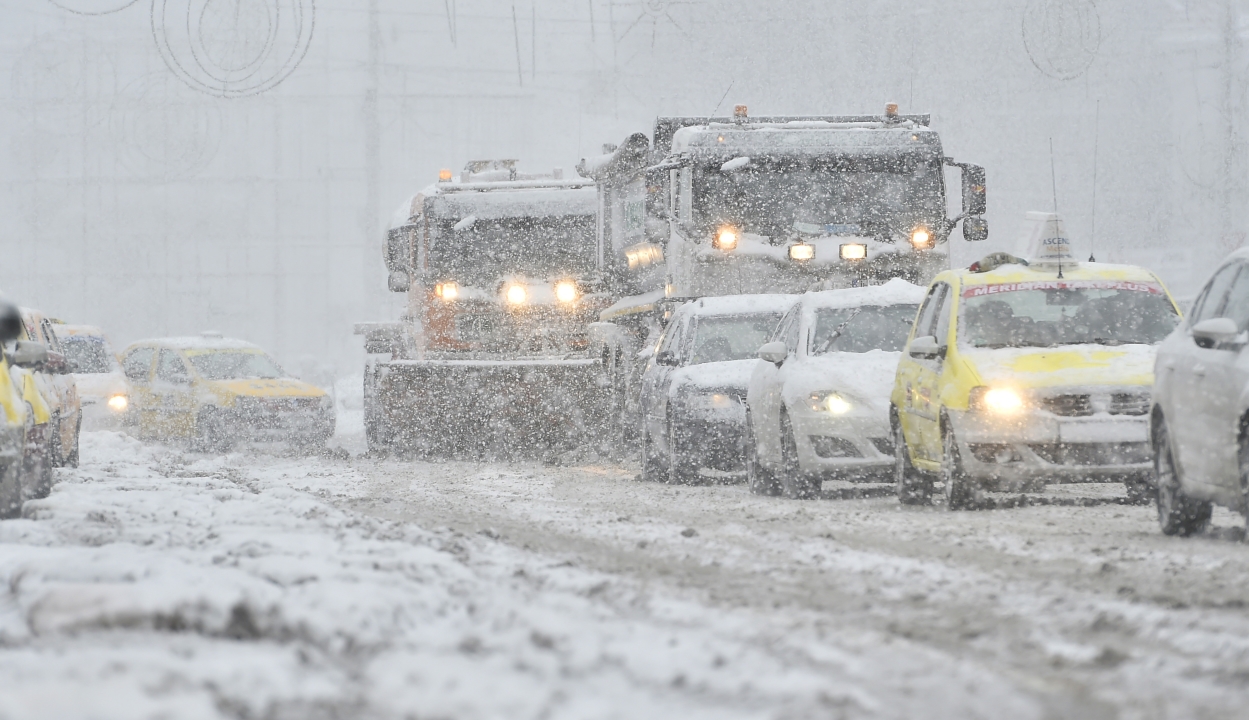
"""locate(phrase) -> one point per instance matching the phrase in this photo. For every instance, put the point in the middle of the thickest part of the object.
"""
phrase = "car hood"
(101, 385)
(865, 379)
(726, 376)
(279, 387)
(1069, 365)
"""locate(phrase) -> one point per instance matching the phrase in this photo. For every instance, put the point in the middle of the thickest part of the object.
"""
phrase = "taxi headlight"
(447, 291)
(566, 292)
(999, 401)
(830, 403)
(517, 294)
(726, 239)
(118, 403)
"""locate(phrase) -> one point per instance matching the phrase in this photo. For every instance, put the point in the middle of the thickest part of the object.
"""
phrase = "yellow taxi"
(24, 418)
(214, 392)
(1017, 374)
(57, 385)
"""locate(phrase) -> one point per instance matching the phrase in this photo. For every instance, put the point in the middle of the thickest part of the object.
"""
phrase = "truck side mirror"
(399, 281)
(974, 202)
(975, 229)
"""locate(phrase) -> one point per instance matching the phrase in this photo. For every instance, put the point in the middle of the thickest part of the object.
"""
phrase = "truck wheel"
(1178, 514)
(760, 480)
(796, 485)
(914, 487)
(960, 494)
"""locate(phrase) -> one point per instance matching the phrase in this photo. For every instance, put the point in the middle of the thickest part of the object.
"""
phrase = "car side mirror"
(667, 357)
(774, 352)
(975, 229)
(57, 364)
(925, 347)
(29, 354)
(1214, 332)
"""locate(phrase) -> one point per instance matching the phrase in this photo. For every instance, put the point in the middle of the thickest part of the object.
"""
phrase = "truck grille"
(1129, 404)
(1069, 405)
(834, 447)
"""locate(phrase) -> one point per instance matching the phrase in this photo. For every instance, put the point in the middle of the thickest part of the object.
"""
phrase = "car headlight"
(566, 291)
(830, 402)
(118, 403)
(517, 294)
(711, 402)
(998, 401)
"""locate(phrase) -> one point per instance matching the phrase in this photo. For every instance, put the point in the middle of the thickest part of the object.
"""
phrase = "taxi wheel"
(72, 459)
(10, 489)
(795, 484)
(959, 492)
(914, 487)
(1178, 514)
(760, 480)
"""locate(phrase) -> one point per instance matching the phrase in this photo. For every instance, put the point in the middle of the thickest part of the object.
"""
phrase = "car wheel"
(211, 433)
(960, 493)
(760, 480)
(10, 489)
(1243, 471)
(72, 459)
(1178, 514)
(681, 470)
(651, 469)
(1140, 491)
(795, 485)
(914, 487)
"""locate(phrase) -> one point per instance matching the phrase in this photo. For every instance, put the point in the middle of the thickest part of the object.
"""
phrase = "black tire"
(652, 469)
(914, 487)
(796, 486)
(10, 488)
(1178, 514)
(760, 480)
(1242, 457)
(960, 491)
(682, 470)
(1140, 490)
(72, 459)
(56, 452)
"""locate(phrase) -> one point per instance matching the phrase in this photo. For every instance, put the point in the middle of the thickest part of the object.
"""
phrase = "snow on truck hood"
(865, 379)
(1069, 365)
(727, 375)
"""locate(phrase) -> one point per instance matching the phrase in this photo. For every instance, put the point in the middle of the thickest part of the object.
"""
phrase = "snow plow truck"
(503, 275)
(733, 205)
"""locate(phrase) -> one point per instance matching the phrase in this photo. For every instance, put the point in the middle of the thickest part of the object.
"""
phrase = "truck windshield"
(1046, 314)
(89, 355)
(491, 250)
(862, 329)
(875, 199)
(731, 337)
(235, 365)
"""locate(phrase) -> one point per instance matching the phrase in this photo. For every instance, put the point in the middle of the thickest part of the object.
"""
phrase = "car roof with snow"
(67, 330)
(894, 292)
(1076, 271)
(739, 304)
(197, 342)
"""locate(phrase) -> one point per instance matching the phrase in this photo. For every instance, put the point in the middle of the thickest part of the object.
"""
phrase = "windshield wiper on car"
(832, 338)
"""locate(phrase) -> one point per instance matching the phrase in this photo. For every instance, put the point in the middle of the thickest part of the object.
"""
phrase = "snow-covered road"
(154, 583)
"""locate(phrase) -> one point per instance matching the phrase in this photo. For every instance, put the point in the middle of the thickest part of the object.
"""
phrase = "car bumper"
(1100, 447)
(718, 444)
(249, 425)
(830, 445)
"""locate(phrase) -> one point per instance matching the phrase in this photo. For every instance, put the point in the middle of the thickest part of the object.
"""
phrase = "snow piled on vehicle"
(161, 584)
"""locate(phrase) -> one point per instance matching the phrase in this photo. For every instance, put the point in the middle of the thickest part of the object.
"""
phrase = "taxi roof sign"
(1045, 240)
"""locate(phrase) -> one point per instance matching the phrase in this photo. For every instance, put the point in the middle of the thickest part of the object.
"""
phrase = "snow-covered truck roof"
(540, 198)
(744, 140)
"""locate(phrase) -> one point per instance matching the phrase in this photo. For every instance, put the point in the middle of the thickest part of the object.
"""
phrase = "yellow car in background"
(57, 385)
(102, 386)
(1016, 375)
(214, 392)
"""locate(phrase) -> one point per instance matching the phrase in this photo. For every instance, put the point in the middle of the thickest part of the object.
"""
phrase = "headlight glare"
(566, 292)
(921, 239)
(118, 403)
(517, 294)
(830, 403)
(725, 239)
(999, 401)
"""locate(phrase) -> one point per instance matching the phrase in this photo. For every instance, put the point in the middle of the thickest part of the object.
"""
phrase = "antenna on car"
(1054, 185)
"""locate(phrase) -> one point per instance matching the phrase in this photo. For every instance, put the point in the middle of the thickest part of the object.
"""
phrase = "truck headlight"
(999, 401)
(830, 402)
(447, 291)
(921, 239)
(726, 239)
(566, 292)
(118, 403)
(517, 294)
(801, 252)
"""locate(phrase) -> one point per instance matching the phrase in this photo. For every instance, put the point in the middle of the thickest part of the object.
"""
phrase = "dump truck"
(503, 274)
(711, 206)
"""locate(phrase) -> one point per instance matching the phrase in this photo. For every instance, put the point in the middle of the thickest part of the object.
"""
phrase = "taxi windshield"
(862, 329)
(236, 365)
(731, 337)
(1047, 314)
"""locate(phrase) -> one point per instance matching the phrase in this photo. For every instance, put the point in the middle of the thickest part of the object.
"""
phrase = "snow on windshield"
(490, 250)
(862, 329)
(1065, 313)
(732, 337)
(89, 355)
(235, 365)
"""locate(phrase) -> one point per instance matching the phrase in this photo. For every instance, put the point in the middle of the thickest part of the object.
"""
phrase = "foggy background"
(172, 166)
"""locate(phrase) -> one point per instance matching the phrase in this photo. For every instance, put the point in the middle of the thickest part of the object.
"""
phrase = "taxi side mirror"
(1215, 332)
(29, 354)
(57, 364)
(925, 347)
(774, 352)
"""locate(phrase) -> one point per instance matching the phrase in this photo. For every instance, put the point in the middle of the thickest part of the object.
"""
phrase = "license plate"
(1104, 431)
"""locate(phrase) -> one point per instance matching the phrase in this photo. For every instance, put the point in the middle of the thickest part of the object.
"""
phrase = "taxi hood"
(276, 387)
(1067, 365)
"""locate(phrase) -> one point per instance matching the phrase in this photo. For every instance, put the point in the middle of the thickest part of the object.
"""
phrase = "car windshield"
(235, 365)
(89, 355)
(490, 250)
(862, 329)
(731, 337)
(833, 196)
(1046, 314)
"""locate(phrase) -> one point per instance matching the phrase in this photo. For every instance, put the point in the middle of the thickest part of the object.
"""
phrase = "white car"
(1199, 423)
(102, 386)
(818, 403)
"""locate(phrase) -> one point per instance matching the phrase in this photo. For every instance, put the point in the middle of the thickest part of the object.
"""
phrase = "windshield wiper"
(832, 338)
